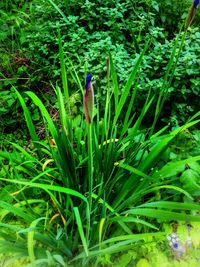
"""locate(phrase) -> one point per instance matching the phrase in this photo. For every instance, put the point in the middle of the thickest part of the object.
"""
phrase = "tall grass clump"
(90, 189)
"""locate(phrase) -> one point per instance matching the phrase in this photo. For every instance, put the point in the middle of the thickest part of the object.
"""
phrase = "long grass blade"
(163, 215)
(80, 229)
(30, 124)
(63, 70)
(45, 113)
(30, 241)
(114, 82)
(49, 187)
(170, 205)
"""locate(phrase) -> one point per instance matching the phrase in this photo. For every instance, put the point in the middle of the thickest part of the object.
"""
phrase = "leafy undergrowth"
(151, 253)
(29, 59)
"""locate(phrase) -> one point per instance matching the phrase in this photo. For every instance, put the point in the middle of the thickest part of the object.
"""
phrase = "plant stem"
(164, 92)
(90, 170)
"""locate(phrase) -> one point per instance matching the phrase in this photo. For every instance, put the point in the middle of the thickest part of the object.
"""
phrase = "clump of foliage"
(87, 190)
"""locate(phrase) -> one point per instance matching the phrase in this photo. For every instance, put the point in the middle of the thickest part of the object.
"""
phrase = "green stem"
(90, 171)
(164, 92)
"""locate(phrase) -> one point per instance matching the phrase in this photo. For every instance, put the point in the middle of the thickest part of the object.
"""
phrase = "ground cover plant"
(103, 178)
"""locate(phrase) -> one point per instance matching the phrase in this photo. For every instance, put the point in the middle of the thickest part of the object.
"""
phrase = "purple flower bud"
(88, 98)
(88, 81)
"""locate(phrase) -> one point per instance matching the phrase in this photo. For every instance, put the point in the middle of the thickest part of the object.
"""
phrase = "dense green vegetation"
(105, 193)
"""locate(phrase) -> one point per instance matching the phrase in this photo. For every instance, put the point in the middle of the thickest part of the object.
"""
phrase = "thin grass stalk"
(75, 76)
(128, 120)
(107, 108)
(164, 91)
(137, 124)
(63, 71)
(98, 118)
(62, 112)
(80, 229)
(90, 172)
(59, 11)
(30, 124)
(174, 67)
(109, 96)
(114, 81)
(45, 114)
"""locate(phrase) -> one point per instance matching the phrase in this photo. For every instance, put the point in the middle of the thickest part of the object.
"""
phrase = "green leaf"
(48, 187)
(45, 113)
(172, 205)
(62, 63)
(29, 122)
(163, 215)
(17, 211)
(30, 240)
(131, 219)
(114, 82)
(80, 229)
(175, 167)
(190, 180)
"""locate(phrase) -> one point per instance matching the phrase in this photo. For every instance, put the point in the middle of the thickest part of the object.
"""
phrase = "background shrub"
(90, 30)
